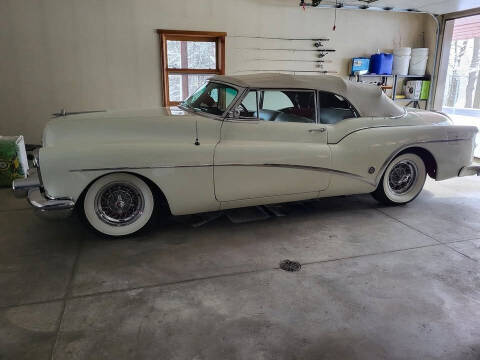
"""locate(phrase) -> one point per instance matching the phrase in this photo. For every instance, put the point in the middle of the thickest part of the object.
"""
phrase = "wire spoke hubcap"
(119, 203)
(402, 177)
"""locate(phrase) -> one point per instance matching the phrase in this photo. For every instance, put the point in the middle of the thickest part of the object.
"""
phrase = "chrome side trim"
(405, 112)
(310, 168)
(389, 126)
(140, 167)
(64, 112)
(286, 166)
(369, 127)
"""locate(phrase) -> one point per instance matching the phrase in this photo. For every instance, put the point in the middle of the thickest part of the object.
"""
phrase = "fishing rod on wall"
(295, 60)
(366, 6)
(279, 38)
(316, 63)
(321, 53)
(318, 50)
(317, 42)
(287, 70)
(288, 49)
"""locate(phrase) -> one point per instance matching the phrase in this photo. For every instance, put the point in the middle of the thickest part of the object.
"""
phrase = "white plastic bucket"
(401, 61)
(418, 63)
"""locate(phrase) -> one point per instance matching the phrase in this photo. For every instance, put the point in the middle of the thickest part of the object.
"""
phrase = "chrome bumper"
(50, 207)
(22, 186)
(470, 170)
(32, 188)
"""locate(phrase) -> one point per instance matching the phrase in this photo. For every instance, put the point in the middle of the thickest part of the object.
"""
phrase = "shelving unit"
(396, 78)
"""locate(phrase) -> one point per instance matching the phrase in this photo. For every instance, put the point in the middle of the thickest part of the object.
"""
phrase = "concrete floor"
(375, 283)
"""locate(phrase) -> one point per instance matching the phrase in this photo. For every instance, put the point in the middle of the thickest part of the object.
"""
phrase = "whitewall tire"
(118, 204)
(402, 180)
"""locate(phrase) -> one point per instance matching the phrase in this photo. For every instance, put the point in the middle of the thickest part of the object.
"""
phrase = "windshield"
(212, 98)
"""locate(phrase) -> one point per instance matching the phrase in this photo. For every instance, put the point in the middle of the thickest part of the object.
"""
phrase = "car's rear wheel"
(402, 180)
(118, 204)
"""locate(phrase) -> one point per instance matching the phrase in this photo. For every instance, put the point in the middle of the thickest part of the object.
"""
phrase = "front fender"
(183, 172)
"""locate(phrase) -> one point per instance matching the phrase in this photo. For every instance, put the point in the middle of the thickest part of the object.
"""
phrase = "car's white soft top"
(369, 100)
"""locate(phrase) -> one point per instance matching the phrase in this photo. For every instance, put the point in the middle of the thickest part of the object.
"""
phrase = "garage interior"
(370, 281)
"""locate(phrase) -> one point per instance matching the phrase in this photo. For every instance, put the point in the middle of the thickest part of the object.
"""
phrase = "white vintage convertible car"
(241, 141)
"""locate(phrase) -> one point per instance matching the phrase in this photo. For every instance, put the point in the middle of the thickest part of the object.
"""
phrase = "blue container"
(381, 64)
(360, 66)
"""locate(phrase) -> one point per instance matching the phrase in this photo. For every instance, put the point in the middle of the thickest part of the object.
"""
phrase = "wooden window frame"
(186, 35)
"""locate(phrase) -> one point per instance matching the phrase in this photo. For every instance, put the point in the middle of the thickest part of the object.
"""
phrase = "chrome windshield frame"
(240, 93)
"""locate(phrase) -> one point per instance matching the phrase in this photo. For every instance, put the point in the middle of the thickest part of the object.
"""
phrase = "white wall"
(104, 54)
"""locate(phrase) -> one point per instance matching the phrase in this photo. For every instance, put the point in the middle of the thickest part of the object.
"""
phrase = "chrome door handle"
(317, 130)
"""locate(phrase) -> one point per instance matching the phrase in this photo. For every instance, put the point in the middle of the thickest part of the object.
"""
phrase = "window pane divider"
(191, 71)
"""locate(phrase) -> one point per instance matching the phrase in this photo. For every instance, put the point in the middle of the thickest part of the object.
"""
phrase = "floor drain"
(289, 265)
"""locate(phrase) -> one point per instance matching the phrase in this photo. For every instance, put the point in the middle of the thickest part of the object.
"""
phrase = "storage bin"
(418, 62)
(401, 60)
(360, 66)
(381, 64)
(425, 90)
(413, 89)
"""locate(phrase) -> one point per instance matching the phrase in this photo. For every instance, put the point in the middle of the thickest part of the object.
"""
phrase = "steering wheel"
(244, 109)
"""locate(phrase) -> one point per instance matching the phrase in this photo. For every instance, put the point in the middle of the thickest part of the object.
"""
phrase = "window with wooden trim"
(189, 58)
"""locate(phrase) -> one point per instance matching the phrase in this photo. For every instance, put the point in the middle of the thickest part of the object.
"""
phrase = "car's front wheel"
(402, 180)
(118, 204)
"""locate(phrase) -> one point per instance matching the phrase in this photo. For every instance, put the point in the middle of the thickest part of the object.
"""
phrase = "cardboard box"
(13, 159)
(417, 89)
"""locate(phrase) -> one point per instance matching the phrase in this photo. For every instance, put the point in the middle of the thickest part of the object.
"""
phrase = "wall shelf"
(395, 78)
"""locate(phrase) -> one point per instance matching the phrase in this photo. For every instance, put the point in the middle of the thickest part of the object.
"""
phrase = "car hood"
(124, 126)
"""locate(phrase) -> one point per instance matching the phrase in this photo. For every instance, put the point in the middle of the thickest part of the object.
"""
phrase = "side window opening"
(287, 106)
(276, 100)
(334, 108)
(248, 107)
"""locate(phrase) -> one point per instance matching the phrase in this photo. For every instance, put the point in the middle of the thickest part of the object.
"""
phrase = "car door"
(273, 146)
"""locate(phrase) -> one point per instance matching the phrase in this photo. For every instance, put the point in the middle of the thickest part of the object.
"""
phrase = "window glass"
(230, 94)
(248, 107)
(212, 98)
(181, 86)
(287, 106)
(276, 100)
(334, 108)
(191, 54)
